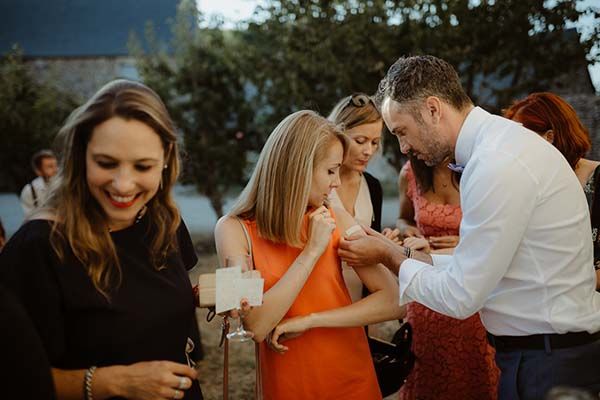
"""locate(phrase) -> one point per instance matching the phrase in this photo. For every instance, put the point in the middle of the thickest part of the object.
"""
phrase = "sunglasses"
(359, 100)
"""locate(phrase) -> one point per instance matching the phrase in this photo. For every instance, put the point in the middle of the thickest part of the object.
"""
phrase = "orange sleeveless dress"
(322, 363)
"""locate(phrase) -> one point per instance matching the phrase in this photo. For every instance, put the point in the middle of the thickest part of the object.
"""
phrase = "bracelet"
(87, 383)
(407, 252)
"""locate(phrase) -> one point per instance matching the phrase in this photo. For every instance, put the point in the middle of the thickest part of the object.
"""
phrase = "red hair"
(541, 112)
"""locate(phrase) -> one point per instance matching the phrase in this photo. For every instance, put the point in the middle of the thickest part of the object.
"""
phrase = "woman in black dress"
(101, 268)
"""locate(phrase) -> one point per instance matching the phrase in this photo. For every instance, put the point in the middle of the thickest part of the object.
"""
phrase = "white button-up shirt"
(525, 253)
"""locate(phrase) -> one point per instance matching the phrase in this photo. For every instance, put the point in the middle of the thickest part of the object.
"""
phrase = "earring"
(141, 213)
(161, 179)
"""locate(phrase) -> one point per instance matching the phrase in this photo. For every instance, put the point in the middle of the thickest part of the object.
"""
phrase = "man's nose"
(404, 147)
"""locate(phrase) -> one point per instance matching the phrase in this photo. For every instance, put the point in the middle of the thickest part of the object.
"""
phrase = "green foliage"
(309, 54)
(296, 54)
(502, 49)
(30, 115)
(204, 90)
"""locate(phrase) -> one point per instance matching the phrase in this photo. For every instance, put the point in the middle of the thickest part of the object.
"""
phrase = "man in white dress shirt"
(45, 166)
(524, 260)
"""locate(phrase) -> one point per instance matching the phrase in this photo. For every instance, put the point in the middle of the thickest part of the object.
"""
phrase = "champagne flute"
(245, 262)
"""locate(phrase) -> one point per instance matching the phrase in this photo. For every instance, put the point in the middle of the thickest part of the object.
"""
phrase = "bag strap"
(258, 387)
(248, 240)
(225, 344)
(33, 194)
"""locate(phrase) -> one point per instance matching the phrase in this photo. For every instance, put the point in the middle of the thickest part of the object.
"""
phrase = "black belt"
(539, 342)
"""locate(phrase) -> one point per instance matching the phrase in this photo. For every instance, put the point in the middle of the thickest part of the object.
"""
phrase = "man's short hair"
(36, 160)
(415, 78)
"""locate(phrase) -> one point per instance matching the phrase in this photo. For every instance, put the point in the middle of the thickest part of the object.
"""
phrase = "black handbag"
(393, 360)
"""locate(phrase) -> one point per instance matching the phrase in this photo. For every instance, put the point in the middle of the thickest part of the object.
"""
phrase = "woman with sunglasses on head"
(453, 357)
(359, 193)
(556, 121)
(282, 219)
(101, 267)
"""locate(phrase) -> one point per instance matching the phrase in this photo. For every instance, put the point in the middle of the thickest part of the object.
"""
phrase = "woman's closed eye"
(107, 164)
(143, 168)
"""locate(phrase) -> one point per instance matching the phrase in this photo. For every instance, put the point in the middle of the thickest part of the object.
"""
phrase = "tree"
(31, 113)
(202, 84)
(309, 54)
(502, 49)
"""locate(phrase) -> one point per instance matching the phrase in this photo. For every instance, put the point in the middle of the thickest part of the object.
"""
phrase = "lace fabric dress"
(454, 360)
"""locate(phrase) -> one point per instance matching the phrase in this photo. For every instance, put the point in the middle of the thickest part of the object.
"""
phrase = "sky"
(235, 10)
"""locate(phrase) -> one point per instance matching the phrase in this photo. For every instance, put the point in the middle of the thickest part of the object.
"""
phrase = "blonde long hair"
(80, 224)
(276, 195)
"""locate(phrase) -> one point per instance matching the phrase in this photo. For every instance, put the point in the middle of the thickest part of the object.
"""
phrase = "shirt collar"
(468, 134)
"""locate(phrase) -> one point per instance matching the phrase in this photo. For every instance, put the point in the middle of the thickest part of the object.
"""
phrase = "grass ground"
(241, 355)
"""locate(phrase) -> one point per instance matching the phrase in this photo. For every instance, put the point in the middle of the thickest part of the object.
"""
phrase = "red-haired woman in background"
(556, 121)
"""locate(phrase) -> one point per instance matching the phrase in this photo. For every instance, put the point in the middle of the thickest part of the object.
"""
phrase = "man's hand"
(370, 249)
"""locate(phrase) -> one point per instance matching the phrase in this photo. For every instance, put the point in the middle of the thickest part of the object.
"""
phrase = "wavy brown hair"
(80, 225)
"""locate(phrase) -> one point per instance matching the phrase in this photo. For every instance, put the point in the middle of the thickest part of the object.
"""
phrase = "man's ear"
(433, 105)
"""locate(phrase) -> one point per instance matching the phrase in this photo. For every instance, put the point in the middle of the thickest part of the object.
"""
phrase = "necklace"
(138, 217)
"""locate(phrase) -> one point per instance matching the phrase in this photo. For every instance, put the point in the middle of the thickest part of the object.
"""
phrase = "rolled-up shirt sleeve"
(497, 198)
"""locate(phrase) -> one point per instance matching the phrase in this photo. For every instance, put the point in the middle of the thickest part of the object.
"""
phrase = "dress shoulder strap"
(247, 235)
(33, 194)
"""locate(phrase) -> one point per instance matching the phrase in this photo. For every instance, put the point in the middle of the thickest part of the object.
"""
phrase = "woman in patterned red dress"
(454, 360)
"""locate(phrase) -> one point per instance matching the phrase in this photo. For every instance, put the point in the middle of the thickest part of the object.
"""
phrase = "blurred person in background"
(45, 166)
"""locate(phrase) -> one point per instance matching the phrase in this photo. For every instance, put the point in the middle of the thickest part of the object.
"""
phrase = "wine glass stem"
(240, 325)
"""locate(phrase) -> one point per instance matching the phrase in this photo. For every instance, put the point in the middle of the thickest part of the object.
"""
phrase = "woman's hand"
(245, 307)
(411, 231)
(444, 242)
(417, 243)
(148, 380)
(392, 234)
(321, 226)
(287, 329)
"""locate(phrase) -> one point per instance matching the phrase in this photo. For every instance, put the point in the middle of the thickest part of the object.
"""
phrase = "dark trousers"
(530, 374)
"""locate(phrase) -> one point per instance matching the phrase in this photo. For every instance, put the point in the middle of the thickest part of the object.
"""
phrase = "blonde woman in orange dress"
(312, 345)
